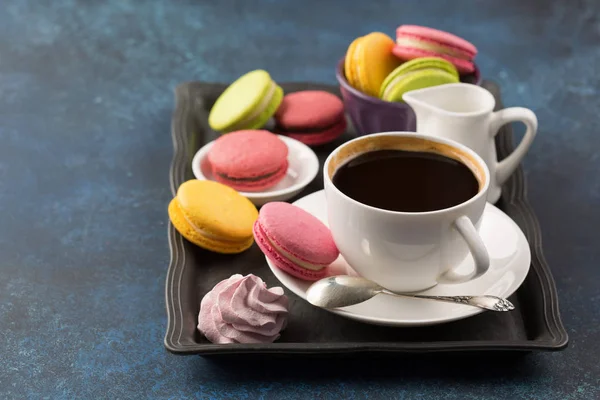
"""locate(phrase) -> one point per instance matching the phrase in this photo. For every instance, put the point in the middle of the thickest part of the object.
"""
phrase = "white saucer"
(510, 258)
(303, 167)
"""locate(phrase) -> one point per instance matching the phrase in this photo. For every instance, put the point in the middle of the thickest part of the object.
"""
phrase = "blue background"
(86, 96)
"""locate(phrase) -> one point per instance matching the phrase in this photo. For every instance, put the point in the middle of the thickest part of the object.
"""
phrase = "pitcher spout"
(453, 98)
(419, 100)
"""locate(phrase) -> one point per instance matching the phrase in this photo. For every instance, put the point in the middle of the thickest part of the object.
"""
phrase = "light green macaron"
(417, 74)
(247, 103)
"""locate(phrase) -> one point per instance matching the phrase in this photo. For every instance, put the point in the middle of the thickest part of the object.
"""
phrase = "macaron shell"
(377, 61)
(268, 113)
(425, 62)
(410, 53)
(437, 36)
(247, 154)
(258, 185)
(319, 138)
(309, 109)
(433, 46)
(419, 64)
(419, 80)
(372, 60)
(283, 263)
(240, 100)
(217, 209)
(187, 231)
(298, 232)
(349, 71)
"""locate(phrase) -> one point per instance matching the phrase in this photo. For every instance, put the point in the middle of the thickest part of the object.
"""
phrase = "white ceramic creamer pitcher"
(464, 113)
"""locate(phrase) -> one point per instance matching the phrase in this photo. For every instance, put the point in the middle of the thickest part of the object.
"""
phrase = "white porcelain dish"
(303, 168)
(510, 259)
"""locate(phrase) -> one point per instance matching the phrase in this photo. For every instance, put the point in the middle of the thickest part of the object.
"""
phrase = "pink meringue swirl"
(242, 310)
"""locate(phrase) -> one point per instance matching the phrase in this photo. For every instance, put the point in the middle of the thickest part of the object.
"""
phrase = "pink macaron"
(313, 117)
(249, 160)
(295, 241)
(414, 41)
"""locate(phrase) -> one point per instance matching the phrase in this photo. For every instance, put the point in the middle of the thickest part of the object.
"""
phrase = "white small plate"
(303, 167)
(510, 258)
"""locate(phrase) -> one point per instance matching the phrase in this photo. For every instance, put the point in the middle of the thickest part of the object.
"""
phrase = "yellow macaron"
(369, 60)
(213, 216)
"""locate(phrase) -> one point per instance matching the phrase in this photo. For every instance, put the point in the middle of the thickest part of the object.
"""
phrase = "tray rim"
(514, 194)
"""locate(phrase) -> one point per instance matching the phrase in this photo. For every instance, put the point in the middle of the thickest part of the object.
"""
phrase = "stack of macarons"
(250, 102)
(420, 57)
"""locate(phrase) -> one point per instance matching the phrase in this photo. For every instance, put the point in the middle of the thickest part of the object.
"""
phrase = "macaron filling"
(259, 109)
(394, 82)
(317, 139)
(253, 178)
(293, 259)
(309, 129)
(425, 44)
(284, 253)
(356, 66)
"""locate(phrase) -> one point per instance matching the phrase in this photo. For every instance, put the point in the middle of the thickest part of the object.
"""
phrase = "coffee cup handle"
(467, 230)
(506, 167)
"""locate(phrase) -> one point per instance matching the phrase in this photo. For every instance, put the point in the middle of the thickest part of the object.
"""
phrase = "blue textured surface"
(85, 105)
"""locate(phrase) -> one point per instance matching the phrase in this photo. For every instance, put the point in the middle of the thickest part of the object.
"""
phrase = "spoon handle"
(487, 302)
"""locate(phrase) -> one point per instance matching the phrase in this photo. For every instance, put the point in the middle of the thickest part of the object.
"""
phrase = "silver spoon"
(343, 291)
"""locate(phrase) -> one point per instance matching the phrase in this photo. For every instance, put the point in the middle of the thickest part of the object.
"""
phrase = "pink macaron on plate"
(249, 160)
(295, 241)
(303, 166)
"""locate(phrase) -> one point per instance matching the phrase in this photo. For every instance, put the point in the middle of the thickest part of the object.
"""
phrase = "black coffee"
(408, 181)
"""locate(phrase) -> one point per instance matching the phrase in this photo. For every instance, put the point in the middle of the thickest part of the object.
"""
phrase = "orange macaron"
(369, 60)
(213, 216)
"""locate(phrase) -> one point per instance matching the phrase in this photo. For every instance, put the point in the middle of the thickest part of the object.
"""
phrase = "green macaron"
(247, 103)
(417, 74)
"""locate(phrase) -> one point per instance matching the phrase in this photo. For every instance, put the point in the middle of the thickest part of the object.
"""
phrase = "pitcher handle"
(506, 167)
(467, 230)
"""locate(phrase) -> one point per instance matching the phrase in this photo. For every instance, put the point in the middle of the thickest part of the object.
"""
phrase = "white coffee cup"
(407, 251)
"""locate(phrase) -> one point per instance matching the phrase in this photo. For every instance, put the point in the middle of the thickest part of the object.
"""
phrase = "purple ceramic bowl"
(370, 114)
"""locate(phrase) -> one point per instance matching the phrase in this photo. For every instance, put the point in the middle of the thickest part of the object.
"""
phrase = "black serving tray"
(534, 325)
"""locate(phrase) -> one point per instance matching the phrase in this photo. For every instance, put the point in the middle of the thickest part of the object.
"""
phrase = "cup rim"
(482, 192)
(341, 77)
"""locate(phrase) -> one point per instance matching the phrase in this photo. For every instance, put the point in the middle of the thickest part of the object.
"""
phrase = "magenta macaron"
(249, 160)
(295, 241)
(413, 41)
(313, 117)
